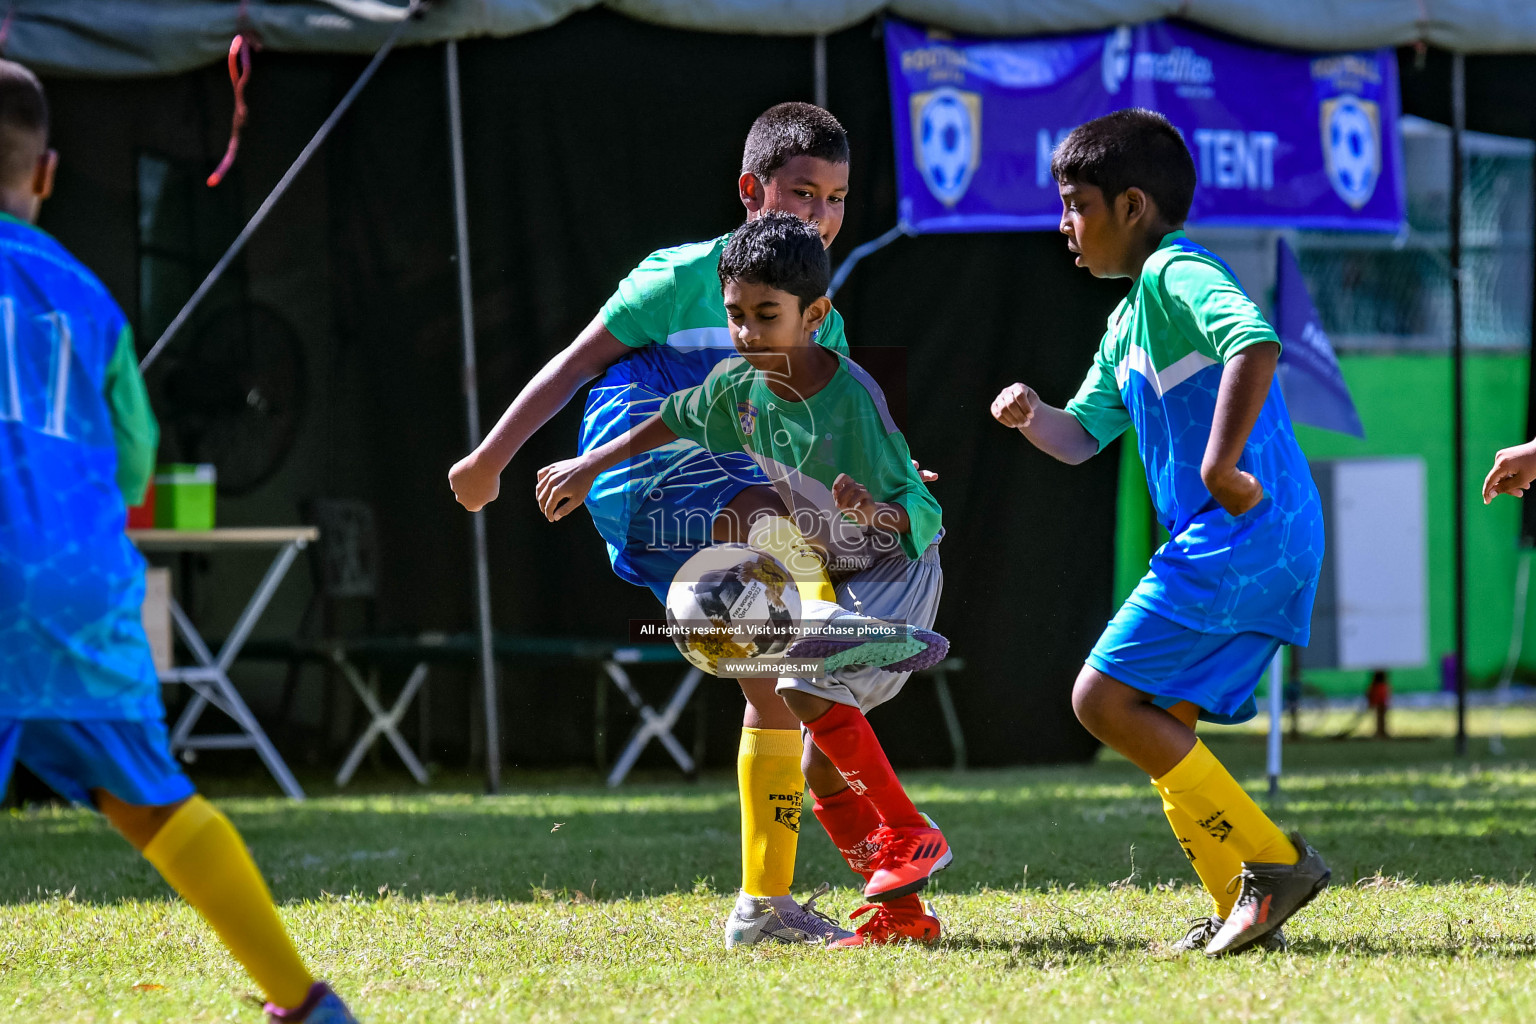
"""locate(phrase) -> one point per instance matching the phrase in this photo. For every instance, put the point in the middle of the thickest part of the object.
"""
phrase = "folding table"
(209, 678)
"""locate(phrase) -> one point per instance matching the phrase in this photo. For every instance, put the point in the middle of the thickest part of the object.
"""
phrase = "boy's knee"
(1093, 701)
(137, 823)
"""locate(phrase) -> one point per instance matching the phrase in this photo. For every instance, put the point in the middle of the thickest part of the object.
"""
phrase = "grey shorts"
(893, 589)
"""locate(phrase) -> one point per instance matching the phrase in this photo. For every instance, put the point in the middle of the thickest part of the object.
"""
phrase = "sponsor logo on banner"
(1351, 130)
(1116, 63)
(1181, 67)
(946, 136)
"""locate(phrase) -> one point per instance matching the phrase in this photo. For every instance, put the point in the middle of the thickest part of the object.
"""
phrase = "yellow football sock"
(1221, 809)
(772, 792)
(1215, 862)
(202, 856)
(783, 540)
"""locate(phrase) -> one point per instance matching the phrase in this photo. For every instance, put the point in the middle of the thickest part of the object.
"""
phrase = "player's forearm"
(653, 433)
(541, 398)
(1244, 388)
(1059, 434)
(550, 390)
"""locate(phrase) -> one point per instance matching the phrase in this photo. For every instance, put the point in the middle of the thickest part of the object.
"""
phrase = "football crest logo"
(1351, 130)
(946, 137)
(746, 416)
(1116, 62)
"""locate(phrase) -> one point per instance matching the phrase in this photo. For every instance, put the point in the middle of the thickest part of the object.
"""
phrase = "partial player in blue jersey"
(79, 698)
(1189, 361)
(662, 331)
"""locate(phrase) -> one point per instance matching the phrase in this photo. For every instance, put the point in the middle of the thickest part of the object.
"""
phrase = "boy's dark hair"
(788, 130)
(781, 251)
(1130, 147)
(23, 121)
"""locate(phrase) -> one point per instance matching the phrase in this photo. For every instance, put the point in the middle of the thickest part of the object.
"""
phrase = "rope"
(267, 204)
(239, 73)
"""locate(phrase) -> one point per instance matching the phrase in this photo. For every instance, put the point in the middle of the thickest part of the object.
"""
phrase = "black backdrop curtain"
(588, 145)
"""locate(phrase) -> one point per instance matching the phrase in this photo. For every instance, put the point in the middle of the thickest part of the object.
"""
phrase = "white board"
(1380, 561)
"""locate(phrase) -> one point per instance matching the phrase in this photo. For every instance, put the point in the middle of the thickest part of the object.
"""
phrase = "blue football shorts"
(1216, 672)
(129, 759)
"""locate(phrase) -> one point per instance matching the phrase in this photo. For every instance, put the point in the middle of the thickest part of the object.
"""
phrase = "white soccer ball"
(732, 601)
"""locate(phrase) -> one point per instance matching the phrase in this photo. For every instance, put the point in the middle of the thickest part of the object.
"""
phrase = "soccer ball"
(732, 601)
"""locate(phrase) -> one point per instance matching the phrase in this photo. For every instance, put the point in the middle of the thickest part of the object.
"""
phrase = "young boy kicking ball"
(1189, 361)
(664, 329)
(79, 699)
(818, 427)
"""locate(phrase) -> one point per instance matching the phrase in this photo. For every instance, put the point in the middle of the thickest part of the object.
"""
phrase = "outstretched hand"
(1513, 471)
(563, 486)
(473, 486)
(1015, 406)
(927, 476)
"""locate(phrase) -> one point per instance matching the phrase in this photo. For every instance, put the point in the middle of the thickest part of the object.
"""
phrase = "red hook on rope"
(239, 72)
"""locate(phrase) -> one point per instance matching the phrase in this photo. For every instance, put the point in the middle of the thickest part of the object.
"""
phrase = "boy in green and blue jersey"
(817, 427)
(663, 330)
(1188, 360)
(79, 697)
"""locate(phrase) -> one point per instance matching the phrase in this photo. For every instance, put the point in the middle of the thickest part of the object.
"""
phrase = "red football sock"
(848, 819)
(844, 735)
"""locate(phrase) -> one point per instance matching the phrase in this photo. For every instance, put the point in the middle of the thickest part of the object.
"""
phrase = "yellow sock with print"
(202, 856)
(1214, 861)
(1222, 810)
(783, 540)
(772, 794)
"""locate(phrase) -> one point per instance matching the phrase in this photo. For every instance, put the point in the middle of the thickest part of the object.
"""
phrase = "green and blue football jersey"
(72, 642)
(1159, 369)
(802, 446)
(671, 311)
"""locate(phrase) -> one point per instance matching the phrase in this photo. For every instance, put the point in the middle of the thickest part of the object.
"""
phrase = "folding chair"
(653, 724)
(345, 571)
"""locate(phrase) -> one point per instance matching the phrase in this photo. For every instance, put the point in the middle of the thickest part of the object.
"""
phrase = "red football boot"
(904, 860)
(892, 922)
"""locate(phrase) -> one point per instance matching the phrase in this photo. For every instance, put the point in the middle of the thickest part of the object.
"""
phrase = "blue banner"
(1280, 138)
(1309, 373)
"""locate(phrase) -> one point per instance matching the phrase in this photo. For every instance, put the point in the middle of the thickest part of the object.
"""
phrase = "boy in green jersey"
(664, 329)
(818, 427)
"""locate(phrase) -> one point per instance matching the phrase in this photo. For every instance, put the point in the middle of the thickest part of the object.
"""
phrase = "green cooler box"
(184, 496)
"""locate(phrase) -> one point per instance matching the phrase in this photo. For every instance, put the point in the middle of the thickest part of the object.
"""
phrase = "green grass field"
(562, 901)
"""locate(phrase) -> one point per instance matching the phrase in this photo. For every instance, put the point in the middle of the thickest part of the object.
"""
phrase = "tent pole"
(821, 71)
(280, 188)
(1458, 359)
(472, 421)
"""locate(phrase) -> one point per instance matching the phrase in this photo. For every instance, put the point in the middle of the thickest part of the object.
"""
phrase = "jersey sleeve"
(924, 515)
(1212, 310)
(706, 414)
(1097, 404)
(134, 430)
(639, 312)
(832, 335)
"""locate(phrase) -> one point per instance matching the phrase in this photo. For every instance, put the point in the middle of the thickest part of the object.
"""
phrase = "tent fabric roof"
(122, 38)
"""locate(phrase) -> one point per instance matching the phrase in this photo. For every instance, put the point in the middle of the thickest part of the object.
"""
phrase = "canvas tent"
(118, 38)
(129, 38)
